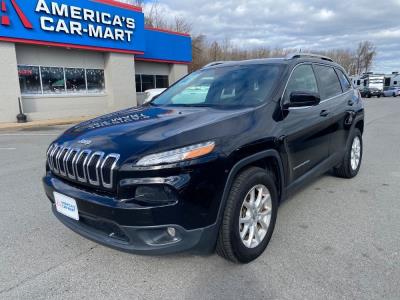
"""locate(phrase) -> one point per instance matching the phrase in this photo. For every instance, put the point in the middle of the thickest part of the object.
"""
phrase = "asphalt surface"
(335, 239)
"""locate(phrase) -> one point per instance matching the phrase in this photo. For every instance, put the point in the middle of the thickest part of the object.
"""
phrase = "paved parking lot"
(335, 239)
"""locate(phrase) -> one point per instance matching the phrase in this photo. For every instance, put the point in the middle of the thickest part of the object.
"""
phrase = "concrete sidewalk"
(44, 123)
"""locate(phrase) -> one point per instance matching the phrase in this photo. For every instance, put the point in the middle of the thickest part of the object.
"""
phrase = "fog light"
(171, 231)
(156, 194)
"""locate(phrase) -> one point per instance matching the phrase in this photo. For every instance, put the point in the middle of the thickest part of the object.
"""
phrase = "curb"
(44, 123)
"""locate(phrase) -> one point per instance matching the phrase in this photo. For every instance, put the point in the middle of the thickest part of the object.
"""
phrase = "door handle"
(324, 113)
(350, 103)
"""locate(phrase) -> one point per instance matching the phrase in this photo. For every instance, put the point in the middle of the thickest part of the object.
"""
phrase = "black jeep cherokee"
(205, 165)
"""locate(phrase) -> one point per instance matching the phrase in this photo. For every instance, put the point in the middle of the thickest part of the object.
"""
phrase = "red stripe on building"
(5, 20)
(120, 5)
(21, 15)
(167, 31)
(3, 6)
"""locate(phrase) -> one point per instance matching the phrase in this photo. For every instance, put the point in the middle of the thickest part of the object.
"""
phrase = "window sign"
(29, 80)
(53, 80)
(95, 80)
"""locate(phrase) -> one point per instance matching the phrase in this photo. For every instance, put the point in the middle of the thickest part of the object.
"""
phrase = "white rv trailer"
(392, 80)
(369, 80)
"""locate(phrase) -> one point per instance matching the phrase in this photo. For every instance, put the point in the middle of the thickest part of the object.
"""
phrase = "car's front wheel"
(249, 217)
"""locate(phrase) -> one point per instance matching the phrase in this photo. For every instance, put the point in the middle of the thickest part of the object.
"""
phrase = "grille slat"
(93, 168)
(70, 163)
(83, 166)
(61, 161)
(107, 169)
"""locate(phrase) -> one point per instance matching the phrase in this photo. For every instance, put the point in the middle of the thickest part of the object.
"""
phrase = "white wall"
(59, 57)
(177, 72)
(120, 81)
(120, 89)
(61, 106)
(9, 83)
(149, 68)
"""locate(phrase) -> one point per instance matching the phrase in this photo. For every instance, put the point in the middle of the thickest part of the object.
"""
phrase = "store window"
(29, 80)
(53, 80)
(147, 82)
(162, 81)
(76, 82)
(95, 80)
(138, 83)
(35, 80)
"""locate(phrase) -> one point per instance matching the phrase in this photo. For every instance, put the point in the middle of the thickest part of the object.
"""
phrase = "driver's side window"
(302, 80)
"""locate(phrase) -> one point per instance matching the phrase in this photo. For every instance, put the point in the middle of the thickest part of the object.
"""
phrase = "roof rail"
(309, 55)
(216, 63)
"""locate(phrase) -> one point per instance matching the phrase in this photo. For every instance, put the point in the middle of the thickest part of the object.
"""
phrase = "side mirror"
(302, 99)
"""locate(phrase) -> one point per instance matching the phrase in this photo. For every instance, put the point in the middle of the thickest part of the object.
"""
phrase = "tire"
(230, 245)
(346, 169)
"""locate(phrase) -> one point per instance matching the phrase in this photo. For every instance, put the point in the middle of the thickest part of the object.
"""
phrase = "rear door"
(307, 133)
(337, 94)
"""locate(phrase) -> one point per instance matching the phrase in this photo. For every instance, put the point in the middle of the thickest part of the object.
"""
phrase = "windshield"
(232, 86)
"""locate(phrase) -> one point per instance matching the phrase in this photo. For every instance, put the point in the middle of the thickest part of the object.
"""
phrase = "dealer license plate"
(66, 206)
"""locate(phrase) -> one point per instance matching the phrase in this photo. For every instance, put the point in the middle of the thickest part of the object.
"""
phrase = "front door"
(307, 129)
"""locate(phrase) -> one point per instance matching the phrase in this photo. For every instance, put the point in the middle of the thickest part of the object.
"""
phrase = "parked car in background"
(370, 92)
(392, 92)
(150, 94)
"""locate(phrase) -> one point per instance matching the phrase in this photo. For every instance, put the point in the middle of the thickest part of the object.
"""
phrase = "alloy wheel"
(355, 153)
(255, 216)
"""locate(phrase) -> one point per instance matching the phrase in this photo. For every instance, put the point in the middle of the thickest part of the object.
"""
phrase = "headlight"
(177, 155)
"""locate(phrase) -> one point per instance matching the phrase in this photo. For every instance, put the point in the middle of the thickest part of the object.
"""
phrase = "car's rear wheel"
(352, 159)
(249, 217)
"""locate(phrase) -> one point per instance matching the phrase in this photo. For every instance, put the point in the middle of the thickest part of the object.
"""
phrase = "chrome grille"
(83, 166)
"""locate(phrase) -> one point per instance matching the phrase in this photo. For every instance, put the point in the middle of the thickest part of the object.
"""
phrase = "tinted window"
(343, 80)
(162, 81)
(148, 82)
(330, 85)
(302, 80)
(229, 86)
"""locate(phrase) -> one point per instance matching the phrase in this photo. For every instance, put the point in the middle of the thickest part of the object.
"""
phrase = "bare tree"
(365, 54)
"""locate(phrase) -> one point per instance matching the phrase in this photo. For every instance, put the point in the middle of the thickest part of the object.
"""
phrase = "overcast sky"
(301, 24)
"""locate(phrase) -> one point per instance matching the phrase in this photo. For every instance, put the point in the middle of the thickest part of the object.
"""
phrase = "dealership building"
(70, 58)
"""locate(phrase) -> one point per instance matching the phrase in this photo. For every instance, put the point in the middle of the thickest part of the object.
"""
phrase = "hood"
(138, 131)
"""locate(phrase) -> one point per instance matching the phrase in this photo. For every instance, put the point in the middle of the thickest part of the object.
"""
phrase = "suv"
(371, 92)
(207, 172)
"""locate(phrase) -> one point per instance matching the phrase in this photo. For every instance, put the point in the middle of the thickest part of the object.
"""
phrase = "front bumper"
(143, 240)
(131, 228)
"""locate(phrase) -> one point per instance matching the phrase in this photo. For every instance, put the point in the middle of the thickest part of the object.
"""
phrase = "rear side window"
(302, 80)
(330, 85)
(343, 80)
